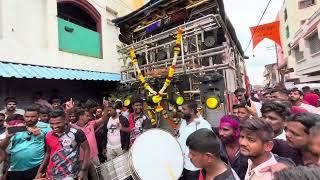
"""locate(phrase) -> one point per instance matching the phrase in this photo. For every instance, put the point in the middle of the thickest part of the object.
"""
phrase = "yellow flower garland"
(171, 71)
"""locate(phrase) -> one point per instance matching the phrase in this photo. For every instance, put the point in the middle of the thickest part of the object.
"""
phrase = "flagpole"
(278, 67)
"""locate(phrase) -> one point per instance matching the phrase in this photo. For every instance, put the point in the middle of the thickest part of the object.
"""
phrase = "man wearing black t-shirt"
(204, 152)
(63, 148)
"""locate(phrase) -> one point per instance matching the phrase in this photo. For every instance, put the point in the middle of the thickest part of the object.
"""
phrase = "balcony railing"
(78, 40)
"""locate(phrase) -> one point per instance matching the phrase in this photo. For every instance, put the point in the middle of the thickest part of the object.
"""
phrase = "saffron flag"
(270, 31)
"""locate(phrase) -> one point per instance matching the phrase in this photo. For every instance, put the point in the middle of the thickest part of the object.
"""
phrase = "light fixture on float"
(212, 102)
(179, 100)
(127, 102)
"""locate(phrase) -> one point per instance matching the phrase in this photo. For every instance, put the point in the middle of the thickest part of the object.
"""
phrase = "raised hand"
(105, 102)
(69, 105)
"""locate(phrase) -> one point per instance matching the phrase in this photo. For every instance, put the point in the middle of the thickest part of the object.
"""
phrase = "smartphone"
(15, 129)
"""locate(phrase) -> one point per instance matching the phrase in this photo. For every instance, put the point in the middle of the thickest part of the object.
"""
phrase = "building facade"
(68, 44)
(305, 50)
(271, 75)
(293, 15)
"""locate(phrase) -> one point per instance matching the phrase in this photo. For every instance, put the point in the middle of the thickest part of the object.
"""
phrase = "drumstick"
(173, 177)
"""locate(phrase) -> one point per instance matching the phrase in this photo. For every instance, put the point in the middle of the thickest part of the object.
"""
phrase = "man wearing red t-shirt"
(63, 149)
(138, 121)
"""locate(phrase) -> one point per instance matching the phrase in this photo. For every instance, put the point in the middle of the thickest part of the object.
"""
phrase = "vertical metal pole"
(278, 68)
(198, 48)
(182, 56)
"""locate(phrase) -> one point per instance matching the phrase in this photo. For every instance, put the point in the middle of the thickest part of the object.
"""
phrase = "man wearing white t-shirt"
(118, 134)
(296, 97)
(190, 123)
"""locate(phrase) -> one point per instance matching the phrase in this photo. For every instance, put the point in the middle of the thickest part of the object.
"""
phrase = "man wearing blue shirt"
(28, 148)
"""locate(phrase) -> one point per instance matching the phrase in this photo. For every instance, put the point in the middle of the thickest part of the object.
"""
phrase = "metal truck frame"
(209, 48)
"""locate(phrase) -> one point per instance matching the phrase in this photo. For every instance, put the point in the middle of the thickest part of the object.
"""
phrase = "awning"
(42, 72)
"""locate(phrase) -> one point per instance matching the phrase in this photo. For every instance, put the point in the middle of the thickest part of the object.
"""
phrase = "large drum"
(115, 169)
(156, 155)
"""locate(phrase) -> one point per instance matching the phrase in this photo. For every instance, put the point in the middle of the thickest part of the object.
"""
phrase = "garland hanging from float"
(157, 95)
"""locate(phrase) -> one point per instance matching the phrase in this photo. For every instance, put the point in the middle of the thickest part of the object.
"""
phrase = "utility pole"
(278, 67)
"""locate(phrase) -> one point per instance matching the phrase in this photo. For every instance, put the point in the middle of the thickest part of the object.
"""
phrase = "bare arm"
(101, 121)
(44, 163)
(105, 115)
(124, 124)
(86, 151)
(252, 109)
(125, 129)
(68, 109)
(6, 141)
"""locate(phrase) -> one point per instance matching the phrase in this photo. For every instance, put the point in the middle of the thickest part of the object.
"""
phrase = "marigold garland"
(171, 71)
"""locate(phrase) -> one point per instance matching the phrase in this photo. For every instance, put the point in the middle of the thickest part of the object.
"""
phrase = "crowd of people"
(275, 135)
(66, 140)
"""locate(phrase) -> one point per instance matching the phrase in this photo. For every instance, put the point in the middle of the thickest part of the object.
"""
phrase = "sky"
(244, 14)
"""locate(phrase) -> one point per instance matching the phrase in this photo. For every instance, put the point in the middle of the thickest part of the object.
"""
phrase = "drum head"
(157, 155)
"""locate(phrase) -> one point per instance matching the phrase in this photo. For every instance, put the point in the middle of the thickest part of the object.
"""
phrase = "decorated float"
(173, 51)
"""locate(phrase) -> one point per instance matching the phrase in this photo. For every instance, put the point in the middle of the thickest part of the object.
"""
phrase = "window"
(79, 28)
(287, 32)
(298, 54)
(314, 43)
(306, 3)
(285, 14)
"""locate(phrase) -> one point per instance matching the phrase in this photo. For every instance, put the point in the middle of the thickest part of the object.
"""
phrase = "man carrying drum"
(191, 122)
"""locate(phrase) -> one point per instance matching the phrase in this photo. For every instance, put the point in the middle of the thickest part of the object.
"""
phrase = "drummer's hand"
(81, 175)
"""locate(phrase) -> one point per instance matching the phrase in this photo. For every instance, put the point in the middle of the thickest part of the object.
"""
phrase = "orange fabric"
(270, 31)
(171, 123)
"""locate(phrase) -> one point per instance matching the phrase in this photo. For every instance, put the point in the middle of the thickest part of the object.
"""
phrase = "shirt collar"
(65, 131)
(281, 136)
(257, 169)
(139, 116)
(196, 121)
